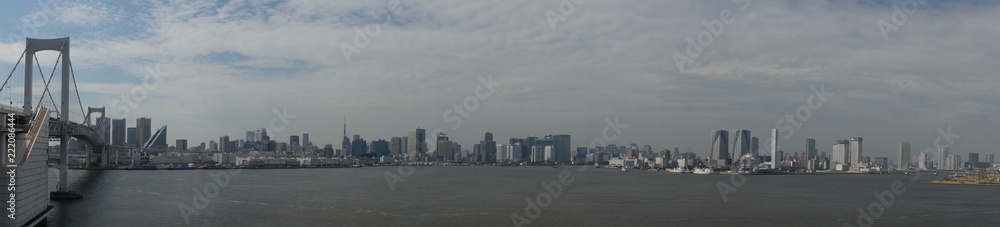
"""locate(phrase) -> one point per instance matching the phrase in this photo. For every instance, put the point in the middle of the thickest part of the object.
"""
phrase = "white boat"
(676, 170)
(704, 171)
(623, 169)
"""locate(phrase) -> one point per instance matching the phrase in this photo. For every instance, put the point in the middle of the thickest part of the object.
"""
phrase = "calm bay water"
(487, 196)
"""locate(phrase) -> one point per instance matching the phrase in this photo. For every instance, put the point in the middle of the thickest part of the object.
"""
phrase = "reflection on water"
(77, 178)
(488, 196)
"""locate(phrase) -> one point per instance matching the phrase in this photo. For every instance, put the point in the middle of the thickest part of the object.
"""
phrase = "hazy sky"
(558, 67)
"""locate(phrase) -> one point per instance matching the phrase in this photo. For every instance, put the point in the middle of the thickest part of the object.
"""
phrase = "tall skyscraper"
(857, 156)
(904, 156)
(923, 161)
(182, 144)
(443, 150)
(118, 133)
(720, 148)
(561, 147)
(810, 149)
(103, 126)
(306, 144)
(840, 154)
(261, 136)
(143, 130)
(404, 146)
(988, 159)
(847, 150)
(525, 145)
(774, 148)
(677, 151)
(580, 155)
(395, 146)
(130, 139)
(755, 146)
(779, 157)
(118, 138)
(345, 146)
(417, 146)
(224, 144)
(488, 148)
(359, 147)
(380, 148)
(741, 143)
(974, 160)
(251, 136)
(293, 142)
(942, 156)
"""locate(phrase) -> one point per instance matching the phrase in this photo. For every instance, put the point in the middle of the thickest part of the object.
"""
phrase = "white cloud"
(83, 15)
(606, 58)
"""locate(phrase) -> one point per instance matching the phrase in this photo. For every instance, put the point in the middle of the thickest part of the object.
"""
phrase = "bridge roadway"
(92, 138)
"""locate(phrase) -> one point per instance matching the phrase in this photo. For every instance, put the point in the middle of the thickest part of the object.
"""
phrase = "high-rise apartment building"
(904, 156)
(181, 144)
(143, 130)
(720, 148)
(857, 156)
(840, 154)
(811, 149)
(561, 146)
(395, 146)
(741, 143)
(923, 161)
(417, 146)
(942, 156)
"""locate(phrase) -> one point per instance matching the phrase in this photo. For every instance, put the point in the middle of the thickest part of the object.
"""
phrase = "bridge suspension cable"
(10, 93)
(61, 48)
(47, 81)
(78, 100)
(13, 70)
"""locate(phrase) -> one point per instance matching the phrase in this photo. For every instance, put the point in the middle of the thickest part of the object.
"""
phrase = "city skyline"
(887, 87)
(849, 147)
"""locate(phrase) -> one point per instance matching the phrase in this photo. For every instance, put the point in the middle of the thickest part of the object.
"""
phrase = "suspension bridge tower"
(28, 130)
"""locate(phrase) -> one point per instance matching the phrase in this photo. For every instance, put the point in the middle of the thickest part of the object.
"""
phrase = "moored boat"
(704, 171)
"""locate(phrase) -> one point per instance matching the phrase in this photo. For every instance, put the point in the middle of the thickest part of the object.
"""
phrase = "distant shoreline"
(958, 182)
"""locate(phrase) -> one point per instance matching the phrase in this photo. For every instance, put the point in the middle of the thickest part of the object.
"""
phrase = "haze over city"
(226, 67)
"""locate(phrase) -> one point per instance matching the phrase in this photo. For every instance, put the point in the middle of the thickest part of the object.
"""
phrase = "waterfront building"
(856, 156)
(942, 155)
(417, 145)
(839, 154)
(719, 154)
(182, 144)
(904, 156)
(143, 127)
(924, 161)
(741, 144)
(811, 149)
